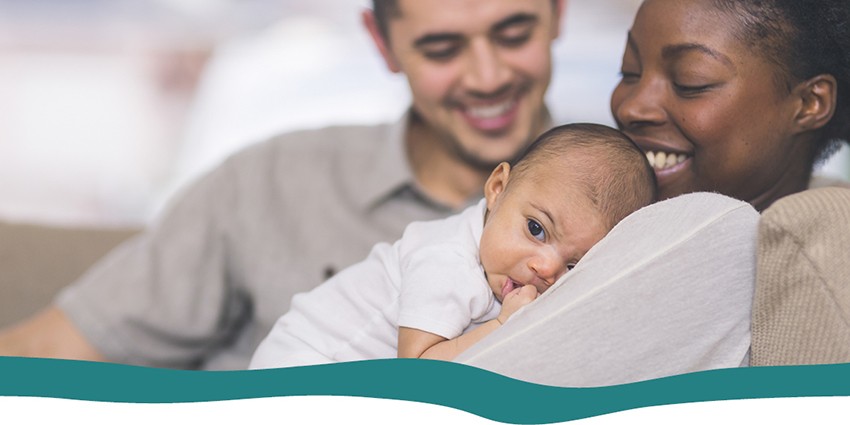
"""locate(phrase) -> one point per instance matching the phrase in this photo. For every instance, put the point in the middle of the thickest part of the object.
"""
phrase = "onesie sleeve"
(443, 291)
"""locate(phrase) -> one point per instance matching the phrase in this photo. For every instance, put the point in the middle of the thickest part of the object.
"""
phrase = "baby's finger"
(527, 291)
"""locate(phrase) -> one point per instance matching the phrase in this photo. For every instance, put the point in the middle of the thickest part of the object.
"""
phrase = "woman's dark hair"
(804, 38)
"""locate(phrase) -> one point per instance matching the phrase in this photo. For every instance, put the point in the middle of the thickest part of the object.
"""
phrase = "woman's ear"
(381, 42)
(496, 183)
(818, 95)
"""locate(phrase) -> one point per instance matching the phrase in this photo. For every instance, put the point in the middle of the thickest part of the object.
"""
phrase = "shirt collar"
(390, 173)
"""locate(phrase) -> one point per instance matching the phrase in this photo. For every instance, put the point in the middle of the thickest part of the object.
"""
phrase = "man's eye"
(536, 230)
(441, 53)
(512, 40)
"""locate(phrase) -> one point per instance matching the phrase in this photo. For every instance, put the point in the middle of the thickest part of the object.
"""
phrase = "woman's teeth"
(662, 160)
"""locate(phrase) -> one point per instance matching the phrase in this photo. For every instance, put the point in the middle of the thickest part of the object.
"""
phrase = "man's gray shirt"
(204, 284)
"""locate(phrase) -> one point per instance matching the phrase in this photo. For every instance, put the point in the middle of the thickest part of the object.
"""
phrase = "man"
(202, 286)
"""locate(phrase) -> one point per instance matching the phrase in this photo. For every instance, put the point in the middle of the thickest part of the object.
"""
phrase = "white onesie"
(431, 279)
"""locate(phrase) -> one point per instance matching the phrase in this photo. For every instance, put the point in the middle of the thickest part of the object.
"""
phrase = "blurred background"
(108, 107)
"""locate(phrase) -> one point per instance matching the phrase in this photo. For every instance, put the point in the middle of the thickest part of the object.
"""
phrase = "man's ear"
(368, 18)
(818, 96)
(496, 183)
(560, 12)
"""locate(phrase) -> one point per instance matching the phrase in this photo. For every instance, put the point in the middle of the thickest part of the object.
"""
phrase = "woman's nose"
(638, 103)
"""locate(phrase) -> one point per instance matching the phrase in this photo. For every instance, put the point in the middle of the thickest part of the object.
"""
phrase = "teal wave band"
(473, 390)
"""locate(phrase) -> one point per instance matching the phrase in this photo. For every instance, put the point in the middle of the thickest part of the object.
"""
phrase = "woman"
(738, 97)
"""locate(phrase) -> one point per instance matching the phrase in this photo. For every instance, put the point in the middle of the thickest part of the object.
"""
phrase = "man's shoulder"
(339, 138)
(325, 156)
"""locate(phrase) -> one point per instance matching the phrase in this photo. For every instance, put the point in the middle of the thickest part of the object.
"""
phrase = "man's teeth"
(491, 111)
(662, 160)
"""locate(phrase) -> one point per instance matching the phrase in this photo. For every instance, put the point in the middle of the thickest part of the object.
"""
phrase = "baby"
(446, 284)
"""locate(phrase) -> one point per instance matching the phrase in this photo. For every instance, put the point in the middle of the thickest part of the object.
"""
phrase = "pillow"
(801, 313)
(667, 291)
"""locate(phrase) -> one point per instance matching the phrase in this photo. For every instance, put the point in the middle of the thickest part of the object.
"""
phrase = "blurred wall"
(110, 106)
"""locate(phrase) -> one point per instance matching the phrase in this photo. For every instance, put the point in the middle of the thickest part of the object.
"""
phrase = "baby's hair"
(612, 171)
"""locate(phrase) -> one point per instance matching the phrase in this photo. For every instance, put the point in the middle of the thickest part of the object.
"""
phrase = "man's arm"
(48, 333)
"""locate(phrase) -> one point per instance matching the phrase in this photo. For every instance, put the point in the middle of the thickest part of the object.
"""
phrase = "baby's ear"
(496, 183)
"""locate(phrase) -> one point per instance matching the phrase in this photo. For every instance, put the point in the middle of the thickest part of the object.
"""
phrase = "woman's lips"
(667, 163)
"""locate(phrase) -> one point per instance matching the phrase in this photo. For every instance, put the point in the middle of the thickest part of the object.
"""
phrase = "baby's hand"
(515, 300)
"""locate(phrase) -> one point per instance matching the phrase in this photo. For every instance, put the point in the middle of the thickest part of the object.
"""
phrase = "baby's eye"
(570, 266)
(536, 230)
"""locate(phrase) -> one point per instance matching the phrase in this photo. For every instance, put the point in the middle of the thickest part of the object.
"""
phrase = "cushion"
(668, 291)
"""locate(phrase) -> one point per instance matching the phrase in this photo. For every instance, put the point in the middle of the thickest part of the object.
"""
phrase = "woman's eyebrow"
(678, 50)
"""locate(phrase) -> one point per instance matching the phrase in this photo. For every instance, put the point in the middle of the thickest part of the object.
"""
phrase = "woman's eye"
(684, 90)
(629, 77)
(536, 230)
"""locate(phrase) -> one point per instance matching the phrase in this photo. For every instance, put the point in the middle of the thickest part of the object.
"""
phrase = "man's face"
(477, 69)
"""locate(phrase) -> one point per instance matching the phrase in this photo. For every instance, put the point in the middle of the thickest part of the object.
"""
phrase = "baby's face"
(537, 228)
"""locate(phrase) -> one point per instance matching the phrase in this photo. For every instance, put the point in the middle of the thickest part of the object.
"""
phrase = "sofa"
(801, 308)
(36, 261)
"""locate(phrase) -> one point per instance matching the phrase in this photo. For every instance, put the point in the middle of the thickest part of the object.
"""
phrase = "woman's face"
(707, 108)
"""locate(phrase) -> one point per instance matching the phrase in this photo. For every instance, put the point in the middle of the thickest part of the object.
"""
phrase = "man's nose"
(487, 73)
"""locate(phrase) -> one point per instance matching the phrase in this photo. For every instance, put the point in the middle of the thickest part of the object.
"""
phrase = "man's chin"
(490, 153)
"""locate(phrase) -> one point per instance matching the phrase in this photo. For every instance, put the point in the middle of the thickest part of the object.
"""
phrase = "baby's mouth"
(509, 286)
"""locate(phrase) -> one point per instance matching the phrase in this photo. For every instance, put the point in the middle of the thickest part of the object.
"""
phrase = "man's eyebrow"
(516, 19)
(679, 49)
(441, 37)
(437, 38)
